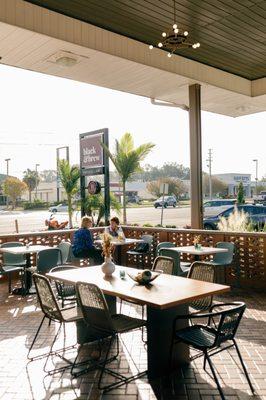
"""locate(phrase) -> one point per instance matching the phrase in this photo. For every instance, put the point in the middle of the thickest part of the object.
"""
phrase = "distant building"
(2, 197)
(46, 191)
(232, 181)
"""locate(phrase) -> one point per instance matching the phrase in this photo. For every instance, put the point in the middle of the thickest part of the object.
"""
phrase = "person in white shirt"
(114, 229)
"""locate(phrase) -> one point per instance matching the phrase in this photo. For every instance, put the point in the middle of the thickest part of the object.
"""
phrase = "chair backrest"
(94, 307)
(13, 259)
(229, 321)
(165, 245)
(60, 287)
(147, 239)
(224, 258)
(202, 272)
(47, 259)
(46, 297)
(65, 248)
(165, 264)
(175, 257)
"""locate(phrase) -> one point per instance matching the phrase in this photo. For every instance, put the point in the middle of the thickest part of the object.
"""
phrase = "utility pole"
(256, 179)
(36, 183)
(209, 165)
(57, 160)
(7, 174)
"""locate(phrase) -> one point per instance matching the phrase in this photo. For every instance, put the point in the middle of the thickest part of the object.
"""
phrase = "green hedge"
(37, 204)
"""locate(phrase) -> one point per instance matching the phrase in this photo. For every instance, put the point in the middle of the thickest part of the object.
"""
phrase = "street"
(29, 221)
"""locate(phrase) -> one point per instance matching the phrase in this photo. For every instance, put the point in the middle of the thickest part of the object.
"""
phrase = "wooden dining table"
(167, 297)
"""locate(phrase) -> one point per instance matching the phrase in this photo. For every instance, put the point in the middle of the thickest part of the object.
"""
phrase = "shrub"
(236, 222)
(147, 225)
(37, 204)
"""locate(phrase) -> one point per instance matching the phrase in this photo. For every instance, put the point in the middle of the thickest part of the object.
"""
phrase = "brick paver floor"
(21, 380)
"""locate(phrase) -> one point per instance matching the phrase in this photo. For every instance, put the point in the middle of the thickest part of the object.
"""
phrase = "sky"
(40, 113)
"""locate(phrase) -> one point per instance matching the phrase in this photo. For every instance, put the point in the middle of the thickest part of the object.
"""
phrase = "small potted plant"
(108, 266)
(196, 242)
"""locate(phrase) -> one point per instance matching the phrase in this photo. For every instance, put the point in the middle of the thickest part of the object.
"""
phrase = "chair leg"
(9, 283)
(243, 366)
(104, 364)
(214, 375)
(204, 362)
(35, 337)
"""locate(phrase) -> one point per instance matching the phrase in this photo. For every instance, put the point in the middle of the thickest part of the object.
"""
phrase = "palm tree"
(31, 178)
(95, 202)
(69, 177)
(126, 160)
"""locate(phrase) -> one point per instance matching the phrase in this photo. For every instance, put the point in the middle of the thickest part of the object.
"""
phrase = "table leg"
(159, 335)
(28, 275)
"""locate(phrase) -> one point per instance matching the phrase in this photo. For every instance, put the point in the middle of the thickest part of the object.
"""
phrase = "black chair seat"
(197, 336)
(123, 323)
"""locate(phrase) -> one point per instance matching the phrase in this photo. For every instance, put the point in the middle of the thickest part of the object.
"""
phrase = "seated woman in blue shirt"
(83, 246)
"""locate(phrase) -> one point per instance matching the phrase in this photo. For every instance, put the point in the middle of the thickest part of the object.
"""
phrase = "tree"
(126, 160)
(48, 175)
(169, 169)
(176, 187)
(218, 186)
(14, 188)
(31, 178)
(95, 203)
(69, 177)
(240, 194)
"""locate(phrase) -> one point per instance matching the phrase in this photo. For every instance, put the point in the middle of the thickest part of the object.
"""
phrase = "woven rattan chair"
(202, 271)
(97, 316)
(52, 311)
(209, 338)
(161, 263)
(164, 264)
(64, 291)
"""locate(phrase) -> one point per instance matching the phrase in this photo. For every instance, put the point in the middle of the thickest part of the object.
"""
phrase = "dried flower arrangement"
(107, 245)
(196, 240)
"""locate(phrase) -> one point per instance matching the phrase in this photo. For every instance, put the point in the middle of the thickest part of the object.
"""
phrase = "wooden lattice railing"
(250, 254)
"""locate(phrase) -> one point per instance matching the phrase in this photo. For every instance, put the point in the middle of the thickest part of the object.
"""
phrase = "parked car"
(260, 198)
(256, 215)
(214, 207)
(59, 208)
(167, 201)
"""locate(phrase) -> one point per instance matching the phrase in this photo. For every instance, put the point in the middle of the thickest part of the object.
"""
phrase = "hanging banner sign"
(91, 151)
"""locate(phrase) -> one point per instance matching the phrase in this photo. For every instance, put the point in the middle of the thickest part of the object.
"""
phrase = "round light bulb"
(194, 46)
(150, 46)
(185, 33)
(163, 34)
(160, 44)
(169, 55)
(198, 44)
(176, 30)
(174, 26)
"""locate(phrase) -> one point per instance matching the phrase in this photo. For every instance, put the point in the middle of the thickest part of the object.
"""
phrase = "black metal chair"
(64, 291)
(48, 259)
(142, 250)
(97, 316)
(13, 263)
(210, 337)
(52, 312)
(202, 271)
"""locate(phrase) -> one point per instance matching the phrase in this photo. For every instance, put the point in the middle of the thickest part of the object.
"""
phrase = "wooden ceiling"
(232, 33)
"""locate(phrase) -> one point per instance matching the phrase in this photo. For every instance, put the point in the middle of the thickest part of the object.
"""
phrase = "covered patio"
(107, 45)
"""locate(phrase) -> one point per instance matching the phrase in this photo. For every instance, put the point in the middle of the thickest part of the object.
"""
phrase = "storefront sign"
(91, 152)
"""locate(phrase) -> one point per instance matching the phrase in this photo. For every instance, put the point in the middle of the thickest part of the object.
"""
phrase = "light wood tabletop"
(166, 291)
(199, 252)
